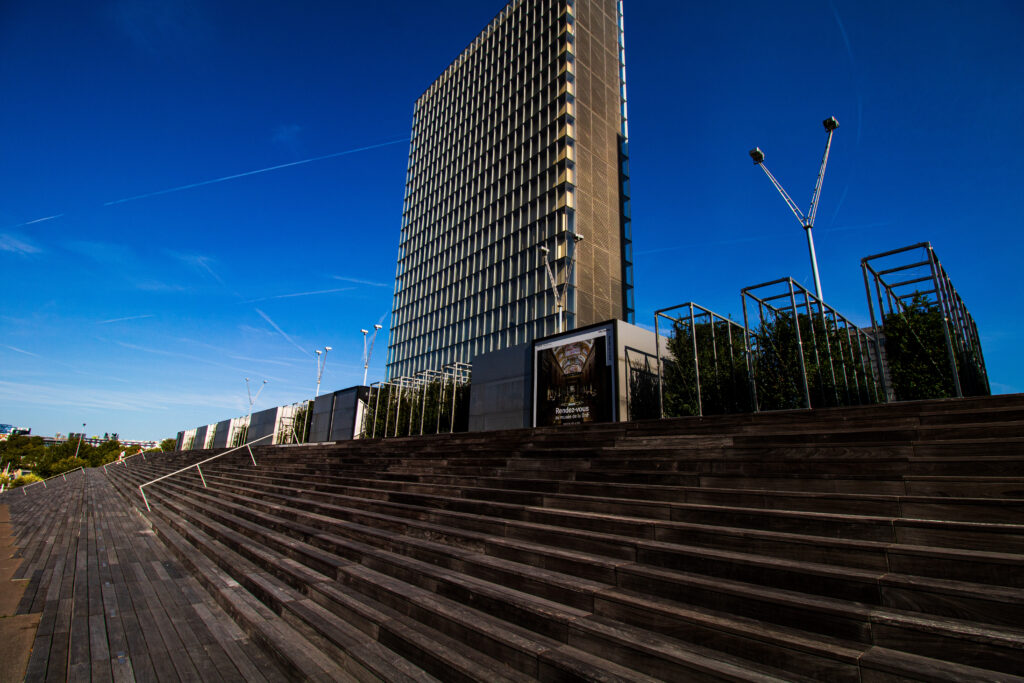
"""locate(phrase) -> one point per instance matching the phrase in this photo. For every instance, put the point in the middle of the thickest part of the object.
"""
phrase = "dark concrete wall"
(500, 397)
(220, 439)
(261, 424)
(323, 412)
(346, 408)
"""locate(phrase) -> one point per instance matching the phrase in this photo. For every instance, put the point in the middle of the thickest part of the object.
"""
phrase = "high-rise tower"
(521, 143)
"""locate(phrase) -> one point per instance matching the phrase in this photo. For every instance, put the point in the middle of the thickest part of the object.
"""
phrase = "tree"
(21, 451)
(25, 480)
(915, 346)
(168, 444)
(721, 360)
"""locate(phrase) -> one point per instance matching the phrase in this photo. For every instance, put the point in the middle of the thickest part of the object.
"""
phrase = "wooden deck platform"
(113, 604)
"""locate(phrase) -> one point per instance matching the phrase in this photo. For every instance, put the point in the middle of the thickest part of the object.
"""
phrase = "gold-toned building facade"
(521, 143)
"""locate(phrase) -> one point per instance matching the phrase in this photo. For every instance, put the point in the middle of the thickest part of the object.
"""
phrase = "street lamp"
(320, 367)
(252, 402)
(80, 437)
(368, 352)
(560, 293)
(806, 222)
(252, 399)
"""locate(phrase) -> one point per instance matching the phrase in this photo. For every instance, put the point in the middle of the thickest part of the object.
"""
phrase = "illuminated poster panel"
(573, 378)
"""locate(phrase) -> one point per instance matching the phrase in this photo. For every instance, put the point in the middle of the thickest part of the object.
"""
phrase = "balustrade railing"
(199, 469)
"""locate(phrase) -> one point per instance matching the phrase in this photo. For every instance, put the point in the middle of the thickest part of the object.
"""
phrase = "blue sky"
(143, 317)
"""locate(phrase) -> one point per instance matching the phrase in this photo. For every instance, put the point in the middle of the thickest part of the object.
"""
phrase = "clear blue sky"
(144, 317)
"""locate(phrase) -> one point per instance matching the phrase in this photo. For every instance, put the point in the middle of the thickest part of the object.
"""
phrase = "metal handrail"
(124, 460)
(202, 462)
(43, 482)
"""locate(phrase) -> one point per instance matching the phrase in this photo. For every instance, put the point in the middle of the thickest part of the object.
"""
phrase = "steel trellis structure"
(795, 336)
(914, 274)
(418, 396)
(723, 335)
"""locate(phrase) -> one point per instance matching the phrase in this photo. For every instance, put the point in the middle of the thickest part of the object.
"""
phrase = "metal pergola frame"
(692, 318)
(459, 373)
(958, 326)
(799, 298)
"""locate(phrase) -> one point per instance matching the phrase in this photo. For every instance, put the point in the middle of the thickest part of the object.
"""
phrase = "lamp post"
(320, 367)
(252, 399)
(368, 352)
(560, 293)
(806, 222)
(80, 437)
(252, 402)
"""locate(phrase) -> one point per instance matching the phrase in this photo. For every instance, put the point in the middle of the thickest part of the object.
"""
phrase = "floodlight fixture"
(80, 437)
(806, 221)
(560, 292)
(368, 351)
(320, 367)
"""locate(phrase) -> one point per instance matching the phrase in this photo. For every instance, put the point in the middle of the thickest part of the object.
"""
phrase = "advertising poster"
(574, 380)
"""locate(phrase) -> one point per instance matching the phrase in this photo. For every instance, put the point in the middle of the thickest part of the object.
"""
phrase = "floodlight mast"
(806, 222)
(560, 293)
(320, 367)
(367, 353)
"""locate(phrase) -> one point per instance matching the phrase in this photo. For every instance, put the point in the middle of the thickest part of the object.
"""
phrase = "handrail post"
(200, 470)
(253, 457)
(144, 499)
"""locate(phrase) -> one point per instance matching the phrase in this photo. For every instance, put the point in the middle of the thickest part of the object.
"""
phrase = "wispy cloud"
(257, 171)
(289, 296)
(107, 253)
(119, 320)
(157, 286)
(739, 240)
(860, 226)
(16, 245)
(286, 363)
(280, 331)
(199, 262)
(1000, 388)
(176, 354)
(162, 28)
(27, 353)
(112, 399)
(360, 282)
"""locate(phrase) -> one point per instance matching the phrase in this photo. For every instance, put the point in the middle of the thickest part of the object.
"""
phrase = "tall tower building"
(521, 143)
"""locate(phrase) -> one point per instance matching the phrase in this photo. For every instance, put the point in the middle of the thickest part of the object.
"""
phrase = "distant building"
(520, 144)
(7, 431)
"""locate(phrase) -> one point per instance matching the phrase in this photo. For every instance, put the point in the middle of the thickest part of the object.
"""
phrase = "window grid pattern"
(493, 175)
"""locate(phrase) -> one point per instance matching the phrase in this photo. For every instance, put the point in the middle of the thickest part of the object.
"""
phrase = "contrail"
(256, 172)
(120, 320)
(27, 353)
(40, 220)
(358, 281)
(282, 332)
(289, 296)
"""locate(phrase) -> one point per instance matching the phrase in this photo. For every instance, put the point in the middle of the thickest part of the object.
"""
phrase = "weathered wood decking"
(864, 545)
(114, 604)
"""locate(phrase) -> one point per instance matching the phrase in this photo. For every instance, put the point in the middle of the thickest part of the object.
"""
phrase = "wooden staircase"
(866, 544)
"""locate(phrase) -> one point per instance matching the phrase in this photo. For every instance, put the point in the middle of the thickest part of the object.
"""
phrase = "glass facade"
(521, 143)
